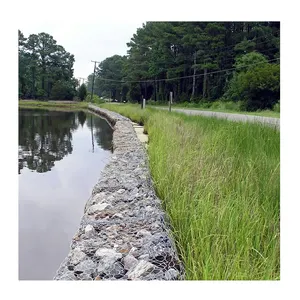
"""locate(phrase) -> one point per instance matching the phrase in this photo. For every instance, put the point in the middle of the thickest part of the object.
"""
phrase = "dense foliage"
(196, 54)
(82, 92)
(45, 69)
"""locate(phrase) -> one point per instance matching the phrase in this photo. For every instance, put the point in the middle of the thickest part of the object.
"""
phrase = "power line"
(182, 77)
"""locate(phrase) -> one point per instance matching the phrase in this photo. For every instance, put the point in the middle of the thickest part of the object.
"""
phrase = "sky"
(87, 40)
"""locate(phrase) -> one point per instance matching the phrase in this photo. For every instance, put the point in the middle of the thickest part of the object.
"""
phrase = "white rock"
(99, 198)
(118, 215)
(120, 191)
(86, 266)
(107, 258)
(143, 232)
(129, 262)
(110, 198)
(97, 208)
(77, 256)
(171, 274)
(133, 251)
(141, 269)
(144, 257)
(89, 230)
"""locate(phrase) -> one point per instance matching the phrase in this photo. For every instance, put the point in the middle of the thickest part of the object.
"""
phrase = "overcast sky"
(88, 41)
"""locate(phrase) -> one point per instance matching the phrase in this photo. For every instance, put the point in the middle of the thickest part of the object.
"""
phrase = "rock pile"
(123, 234)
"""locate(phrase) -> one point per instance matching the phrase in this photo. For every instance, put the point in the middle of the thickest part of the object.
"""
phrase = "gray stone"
(144, 257)
(97, 208)
(143, 268)
(89, 230)
(117, 215)
(86, 266)
(115, 270)
(98, 198)
(143, 233)
(107, 258)
(121, 191)
(129, 262)
(134, 252)
(84, 276)
(172, 274)
(69, 275)
(76, 256)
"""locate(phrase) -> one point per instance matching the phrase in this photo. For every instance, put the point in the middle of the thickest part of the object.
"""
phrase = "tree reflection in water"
(46, 136)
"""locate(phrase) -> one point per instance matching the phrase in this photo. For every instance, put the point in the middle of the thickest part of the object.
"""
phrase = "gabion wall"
(123, 234)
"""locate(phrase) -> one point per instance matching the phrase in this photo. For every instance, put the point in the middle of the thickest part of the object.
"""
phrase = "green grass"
(219, 182)
(52, 105)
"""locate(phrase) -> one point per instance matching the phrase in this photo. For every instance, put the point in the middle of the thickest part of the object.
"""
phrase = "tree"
(82, 92)
(42, 63)
(63, 90)
(187, 58)
(256, 82)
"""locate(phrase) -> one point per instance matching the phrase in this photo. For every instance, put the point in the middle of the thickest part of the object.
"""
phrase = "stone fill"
(124, 233)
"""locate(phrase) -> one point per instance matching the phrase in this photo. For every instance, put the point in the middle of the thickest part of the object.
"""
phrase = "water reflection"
(61, 155)
(46, 136)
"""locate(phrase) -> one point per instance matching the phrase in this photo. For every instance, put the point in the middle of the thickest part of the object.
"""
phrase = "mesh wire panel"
(123, 234)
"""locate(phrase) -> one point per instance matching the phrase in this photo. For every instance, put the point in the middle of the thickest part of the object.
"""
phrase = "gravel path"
(229, 116)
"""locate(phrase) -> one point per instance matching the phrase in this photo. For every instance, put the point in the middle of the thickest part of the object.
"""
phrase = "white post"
(170, 101)
(144, 103)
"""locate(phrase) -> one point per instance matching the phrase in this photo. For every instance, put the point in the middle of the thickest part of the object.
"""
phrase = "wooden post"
(170, 101)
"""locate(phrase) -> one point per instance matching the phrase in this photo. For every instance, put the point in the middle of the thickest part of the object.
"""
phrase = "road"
(229, 116)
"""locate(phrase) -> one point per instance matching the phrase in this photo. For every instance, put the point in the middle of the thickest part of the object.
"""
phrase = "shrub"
(96, 99)
(258, 86)
(276, 107)
(62, 90)
(82, 92)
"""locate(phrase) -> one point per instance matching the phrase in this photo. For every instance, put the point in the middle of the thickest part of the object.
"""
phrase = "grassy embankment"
(219, 183)
(52, 105)
(219, 106)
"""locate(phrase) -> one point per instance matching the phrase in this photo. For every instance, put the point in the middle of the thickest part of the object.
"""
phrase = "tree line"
(45, 69)
(198, 62)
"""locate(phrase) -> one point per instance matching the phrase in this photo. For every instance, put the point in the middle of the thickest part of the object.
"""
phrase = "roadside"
(262, 113)
(229, 116)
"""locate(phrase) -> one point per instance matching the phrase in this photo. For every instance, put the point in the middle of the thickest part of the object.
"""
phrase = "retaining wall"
(123, 234)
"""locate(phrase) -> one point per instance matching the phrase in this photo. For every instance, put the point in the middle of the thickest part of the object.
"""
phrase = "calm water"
(61, 155)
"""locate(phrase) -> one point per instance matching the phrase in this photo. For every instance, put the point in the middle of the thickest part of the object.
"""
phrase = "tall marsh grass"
(220, 186)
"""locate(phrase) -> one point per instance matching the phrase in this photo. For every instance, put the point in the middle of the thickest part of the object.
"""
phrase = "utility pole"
(94, 77)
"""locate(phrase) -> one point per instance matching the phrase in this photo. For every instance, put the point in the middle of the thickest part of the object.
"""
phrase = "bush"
(62, 90)
(82, 92)
(257, 86)
(76, 99)
(96, 99)
(276, 107)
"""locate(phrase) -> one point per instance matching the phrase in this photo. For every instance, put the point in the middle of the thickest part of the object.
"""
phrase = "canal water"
(61, 155)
